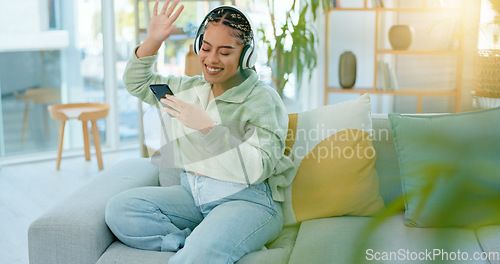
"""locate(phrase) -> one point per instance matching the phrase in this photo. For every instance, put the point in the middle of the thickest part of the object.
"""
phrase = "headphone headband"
(248, 57)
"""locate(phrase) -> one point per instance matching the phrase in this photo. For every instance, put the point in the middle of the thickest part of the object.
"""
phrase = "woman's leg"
(153, 218)
(230, 231)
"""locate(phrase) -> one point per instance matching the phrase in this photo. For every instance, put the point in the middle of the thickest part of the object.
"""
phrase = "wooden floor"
(27, 190)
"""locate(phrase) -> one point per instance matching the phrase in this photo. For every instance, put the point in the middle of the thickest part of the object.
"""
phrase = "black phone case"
(160, 90)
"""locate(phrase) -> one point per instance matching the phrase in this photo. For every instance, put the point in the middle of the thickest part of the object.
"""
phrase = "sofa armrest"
(74, 231)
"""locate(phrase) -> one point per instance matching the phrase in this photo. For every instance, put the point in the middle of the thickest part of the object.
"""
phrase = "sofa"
(74, 231)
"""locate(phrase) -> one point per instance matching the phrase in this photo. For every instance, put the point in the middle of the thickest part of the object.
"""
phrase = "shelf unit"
(418, 92)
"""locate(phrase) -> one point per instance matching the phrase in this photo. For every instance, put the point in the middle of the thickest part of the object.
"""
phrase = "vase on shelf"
(401, 36)
(347, 69)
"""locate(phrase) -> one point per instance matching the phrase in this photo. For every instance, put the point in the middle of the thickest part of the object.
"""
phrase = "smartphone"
(160, 90)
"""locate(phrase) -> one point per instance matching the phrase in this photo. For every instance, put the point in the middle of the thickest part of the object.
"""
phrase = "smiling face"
(219, 56)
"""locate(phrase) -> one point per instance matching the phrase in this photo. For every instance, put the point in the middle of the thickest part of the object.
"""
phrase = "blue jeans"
(190, 220)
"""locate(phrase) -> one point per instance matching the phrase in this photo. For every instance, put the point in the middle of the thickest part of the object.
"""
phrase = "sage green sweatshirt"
(247, 144)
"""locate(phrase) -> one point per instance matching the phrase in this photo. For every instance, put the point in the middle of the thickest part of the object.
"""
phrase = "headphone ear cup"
(244, 57)
(248, 57)
(198, 41)
(252, 58)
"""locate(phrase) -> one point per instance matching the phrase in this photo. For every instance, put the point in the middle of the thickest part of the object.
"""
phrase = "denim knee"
(122, 213)
(115, 214)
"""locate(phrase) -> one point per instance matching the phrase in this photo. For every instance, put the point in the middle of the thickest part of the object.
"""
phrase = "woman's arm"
(139, 72)
(138, 75)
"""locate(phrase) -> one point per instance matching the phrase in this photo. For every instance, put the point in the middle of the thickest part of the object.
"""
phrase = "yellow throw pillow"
(332, 147)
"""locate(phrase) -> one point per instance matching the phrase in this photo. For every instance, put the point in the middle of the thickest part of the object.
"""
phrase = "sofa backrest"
(387, 165)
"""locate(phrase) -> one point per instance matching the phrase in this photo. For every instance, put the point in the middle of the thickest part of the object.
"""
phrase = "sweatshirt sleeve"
(139, 74)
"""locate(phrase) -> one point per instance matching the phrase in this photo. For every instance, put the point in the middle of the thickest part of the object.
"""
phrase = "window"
(74, 67)
(67, 69)
(124, 45)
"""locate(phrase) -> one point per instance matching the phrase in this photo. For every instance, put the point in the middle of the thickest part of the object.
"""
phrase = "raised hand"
(160, 27)
(162, 24)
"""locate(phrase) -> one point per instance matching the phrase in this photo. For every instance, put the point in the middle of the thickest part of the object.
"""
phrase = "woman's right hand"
(160, 28)
(162, 24)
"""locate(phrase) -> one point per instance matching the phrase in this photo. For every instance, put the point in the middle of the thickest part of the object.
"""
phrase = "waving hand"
(160, 27)
(162, 24)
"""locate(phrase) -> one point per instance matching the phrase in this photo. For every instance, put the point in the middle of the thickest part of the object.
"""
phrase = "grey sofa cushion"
(74, 231)
(122, 254)
(334, 240)
(387, 165)
(277, 252)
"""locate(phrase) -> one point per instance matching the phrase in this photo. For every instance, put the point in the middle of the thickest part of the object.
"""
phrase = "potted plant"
(496, 5)
(291, 44)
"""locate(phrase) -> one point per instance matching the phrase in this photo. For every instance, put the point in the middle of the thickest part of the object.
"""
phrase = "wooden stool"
(44, 96)
(84, 112)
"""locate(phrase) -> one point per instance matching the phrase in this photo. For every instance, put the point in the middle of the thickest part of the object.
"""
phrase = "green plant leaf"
(496, 5)
(299, 37)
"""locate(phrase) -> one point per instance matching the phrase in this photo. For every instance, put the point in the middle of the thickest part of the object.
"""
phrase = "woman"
(229, 129)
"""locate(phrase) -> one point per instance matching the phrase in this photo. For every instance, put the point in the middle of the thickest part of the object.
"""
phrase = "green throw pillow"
(450, 167)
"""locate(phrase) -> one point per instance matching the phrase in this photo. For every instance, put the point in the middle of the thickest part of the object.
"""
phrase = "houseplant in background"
(496, 6)
(291, 44)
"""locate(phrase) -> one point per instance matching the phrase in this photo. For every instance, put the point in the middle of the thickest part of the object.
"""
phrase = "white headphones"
(248, 57)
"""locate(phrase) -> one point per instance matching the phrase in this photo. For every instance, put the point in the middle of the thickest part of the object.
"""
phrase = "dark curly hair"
(234, 20)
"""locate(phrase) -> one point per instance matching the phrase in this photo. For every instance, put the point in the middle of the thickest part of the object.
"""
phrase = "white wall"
(354, 31)
(24, 27)
(32, 13)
